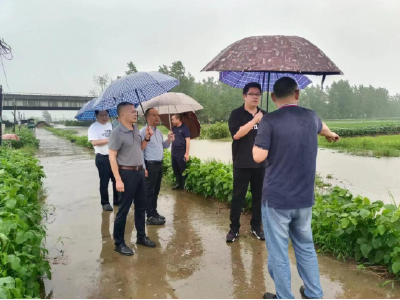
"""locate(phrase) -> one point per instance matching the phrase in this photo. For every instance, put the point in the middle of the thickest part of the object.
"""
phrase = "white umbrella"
(172, 103)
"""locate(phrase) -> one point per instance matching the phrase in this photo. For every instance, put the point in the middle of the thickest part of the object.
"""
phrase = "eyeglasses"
(251, 95)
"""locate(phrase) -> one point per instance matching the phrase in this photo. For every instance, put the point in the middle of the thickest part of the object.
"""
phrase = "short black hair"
(121, 105)
(96, 112)
(251, 85)
(146, 113)
(285, 87)
(178, 116)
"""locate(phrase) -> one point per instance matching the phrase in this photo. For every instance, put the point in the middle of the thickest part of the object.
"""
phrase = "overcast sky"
(59, 45)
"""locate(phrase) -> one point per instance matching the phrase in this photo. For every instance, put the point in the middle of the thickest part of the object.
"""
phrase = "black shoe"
(259, 233)
(146, 242)
(232, 235)
(302, 292)
(155, 221)
(176, 187)
(107, 207)
(268, 295)
(124, 250)
(159, 216)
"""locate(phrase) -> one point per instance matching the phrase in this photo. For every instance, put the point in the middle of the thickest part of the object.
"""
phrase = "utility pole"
(1, 114)
(15, 115)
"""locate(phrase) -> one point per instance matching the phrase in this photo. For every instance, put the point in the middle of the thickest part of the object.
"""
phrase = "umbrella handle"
(169, 118)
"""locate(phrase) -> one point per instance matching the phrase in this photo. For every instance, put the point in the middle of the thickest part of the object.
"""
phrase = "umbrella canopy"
(240, 79)
(87, 112)
(135, 88)
(275, 53)
(172, 103)
(189, 119)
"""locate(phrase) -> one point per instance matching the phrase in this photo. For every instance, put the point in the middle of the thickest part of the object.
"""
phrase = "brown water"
(191, 260)
(366, 176)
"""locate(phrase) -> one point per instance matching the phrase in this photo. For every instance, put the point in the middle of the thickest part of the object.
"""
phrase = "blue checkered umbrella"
(266, 79)
(86, 113)
(240, 79)
(135, 88)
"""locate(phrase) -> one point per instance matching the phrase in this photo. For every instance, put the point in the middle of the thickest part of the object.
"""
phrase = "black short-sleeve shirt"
(181, 133)
(242, 149)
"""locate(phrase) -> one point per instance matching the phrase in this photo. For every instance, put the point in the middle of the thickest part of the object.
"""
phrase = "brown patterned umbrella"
(275, 53)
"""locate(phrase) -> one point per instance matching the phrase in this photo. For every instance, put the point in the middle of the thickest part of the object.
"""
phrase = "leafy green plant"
(367, 130)
(218, 130)
(26, 139)
(71, 136)
(346, 226)
(353, 227)
(22, 255)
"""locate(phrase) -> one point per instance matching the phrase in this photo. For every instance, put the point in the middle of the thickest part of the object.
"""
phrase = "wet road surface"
(192, 259)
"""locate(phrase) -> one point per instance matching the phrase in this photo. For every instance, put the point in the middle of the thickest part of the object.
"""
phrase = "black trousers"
(135, 191)
(241, 180)
(179, 166)
(105, 174)
(153, 184)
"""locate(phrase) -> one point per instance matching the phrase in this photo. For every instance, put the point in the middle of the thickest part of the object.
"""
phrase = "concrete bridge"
(44, 102)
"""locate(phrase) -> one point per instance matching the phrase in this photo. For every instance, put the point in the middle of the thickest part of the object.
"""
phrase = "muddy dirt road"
(192, 259)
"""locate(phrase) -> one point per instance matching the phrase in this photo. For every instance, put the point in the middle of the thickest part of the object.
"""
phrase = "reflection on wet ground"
(192, 259)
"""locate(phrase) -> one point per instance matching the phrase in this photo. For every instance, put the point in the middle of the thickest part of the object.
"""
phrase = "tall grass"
(388, 145)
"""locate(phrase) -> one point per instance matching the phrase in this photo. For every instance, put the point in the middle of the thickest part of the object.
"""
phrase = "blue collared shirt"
(155, 148)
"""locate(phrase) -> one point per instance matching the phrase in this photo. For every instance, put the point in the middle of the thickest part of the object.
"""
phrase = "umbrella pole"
(140, 103)
(262, 88)
(269, 77)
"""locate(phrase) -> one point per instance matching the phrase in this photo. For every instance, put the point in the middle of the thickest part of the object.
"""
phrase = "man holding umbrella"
(243, 125)
(153, 156)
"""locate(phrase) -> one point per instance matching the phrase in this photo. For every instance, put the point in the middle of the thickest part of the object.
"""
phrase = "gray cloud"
(59, 45)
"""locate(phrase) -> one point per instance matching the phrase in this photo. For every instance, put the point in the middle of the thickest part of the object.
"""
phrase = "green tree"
(131, 69)
(101, 83)
(47, 116)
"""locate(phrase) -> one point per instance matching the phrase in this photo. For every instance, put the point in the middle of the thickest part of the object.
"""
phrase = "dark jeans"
(241, 180)
(105, 174)
(153, 183)
(179, 166)
(135, 191)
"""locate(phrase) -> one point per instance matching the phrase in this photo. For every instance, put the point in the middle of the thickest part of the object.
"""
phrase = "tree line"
(340, 100)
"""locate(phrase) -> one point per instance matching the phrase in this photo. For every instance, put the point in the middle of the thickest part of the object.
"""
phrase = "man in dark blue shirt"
(287, 139)
(180, 150)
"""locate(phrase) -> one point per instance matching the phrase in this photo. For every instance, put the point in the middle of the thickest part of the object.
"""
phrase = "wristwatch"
(147, 140)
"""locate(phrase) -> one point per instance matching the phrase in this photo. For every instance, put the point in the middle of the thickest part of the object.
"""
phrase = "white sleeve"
(93, 133)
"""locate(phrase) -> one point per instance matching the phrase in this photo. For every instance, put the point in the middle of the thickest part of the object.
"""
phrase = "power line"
(6, 52)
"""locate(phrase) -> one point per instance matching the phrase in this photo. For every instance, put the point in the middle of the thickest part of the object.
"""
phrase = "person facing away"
(243, 125)
(98, 135)
(115, 123)
(180, 150)
(153, 157)
(287, 140)
(126, 158)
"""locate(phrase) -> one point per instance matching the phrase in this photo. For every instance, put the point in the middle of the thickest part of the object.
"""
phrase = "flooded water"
(366, 176)
(192, 259)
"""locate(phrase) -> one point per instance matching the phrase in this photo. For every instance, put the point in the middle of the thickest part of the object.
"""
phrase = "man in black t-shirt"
(243, 125)
(180, 150)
